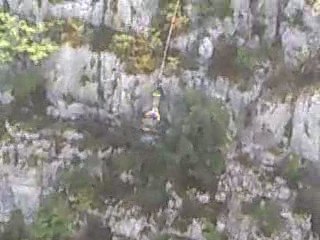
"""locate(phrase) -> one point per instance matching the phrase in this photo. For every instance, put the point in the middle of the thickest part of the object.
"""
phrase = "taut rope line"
(153, 116)
(173, 20)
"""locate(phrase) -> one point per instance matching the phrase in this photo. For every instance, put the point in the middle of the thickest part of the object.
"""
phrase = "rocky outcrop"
(82, 84)
(118, 14)
(29, 166)
(305, 130)
(240, 185)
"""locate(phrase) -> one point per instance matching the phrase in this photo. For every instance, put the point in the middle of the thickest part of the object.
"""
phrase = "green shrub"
(217, 8)
(235, 64)
(21, 83)
(210, 232)
(292, 170)
(163, 20)
(139, 52)
(73, 32)
(54, 220)
(245, 58)
(80, 184)
(18, 37)
(25, 83)
(181, 21)
(55, 1)
(266, 214)
(162, 237)
(15, 229)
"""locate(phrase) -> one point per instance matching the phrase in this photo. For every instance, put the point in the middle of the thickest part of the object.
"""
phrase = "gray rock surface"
(85, 84)
(119, 14)
(305, 131)
(29, 165)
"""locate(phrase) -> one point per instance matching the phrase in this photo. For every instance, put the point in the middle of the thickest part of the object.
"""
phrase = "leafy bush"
(73, 32)
(162, 237)
(210, 232)
(55, 1)
(173, 63)
(139, 52)
(162, 22)
(266, 214)
(292, 170)
(54, 220)
(245, 58)
(25, 82)
(235, 64)
(15, 229)
(181, 21)
(18, 37)
(218, 8)
(82, 186)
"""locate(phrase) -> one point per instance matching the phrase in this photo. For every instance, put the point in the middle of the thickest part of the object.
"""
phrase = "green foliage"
(79, 184)
(122, 44)
(162, 237)
(226, 62)
(218, 8)
(25, 83)
(16, 228)
(21, 83)
(139, 52)
(181, 21)
(244, 58)
(210, 232)
(266, 214)
(162, 22)
(18, 37)
(292, 170)
(55, 1)
(207, 119)
(297, 19)
(152, 198)
(54, 221)
(100, 38)
(173, 64)
(73, 32)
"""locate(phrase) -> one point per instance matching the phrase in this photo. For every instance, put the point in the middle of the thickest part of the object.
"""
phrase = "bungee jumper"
(152, 118)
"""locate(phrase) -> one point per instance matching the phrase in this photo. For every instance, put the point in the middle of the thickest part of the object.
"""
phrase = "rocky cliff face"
(261, 120)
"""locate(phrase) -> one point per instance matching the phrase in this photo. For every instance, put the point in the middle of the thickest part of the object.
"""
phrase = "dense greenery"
(211, 233)
(16, 228)
(18, 38)
(291, 170)
(54, 221)
(140, 52)
(266, 214)
(218, 8)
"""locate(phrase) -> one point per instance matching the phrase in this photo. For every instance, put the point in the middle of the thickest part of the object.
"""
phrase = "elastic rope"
(165, 52)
